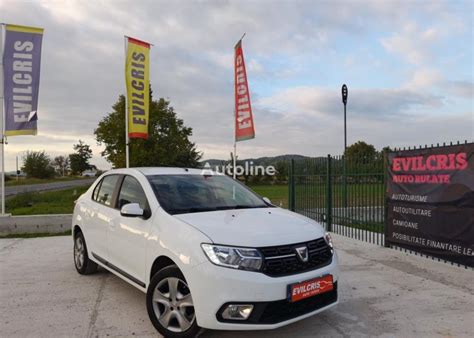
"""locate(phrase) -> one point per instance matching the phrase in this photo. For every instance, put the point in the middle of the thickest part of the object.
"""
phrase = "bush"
(37, 164)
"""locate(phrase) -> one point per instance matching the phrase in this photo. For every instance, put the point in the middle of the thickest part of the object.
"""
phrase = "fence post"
(329, 195)
(291, 190)
(385, 200)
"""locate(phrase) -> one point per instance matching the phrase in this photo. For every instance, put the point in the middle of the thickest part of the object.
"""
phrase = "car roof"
(150, 171)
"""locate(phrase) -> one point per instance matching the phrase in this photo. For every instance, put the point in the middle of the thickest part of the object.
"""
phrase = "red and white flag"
(244, 127)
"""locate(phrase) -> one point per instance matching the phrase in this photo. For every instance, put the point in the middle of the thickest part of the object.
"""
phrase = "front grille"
(281, 310)
(282, 260)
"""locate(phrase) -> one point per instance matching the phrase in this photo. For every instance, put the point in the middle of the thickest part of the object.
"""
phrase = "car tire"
(170, 305)
(81, 259)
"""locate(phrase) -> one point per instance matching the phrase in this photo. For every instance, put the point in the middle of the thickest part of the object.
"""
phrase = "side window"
(106, 190)
(132, 192)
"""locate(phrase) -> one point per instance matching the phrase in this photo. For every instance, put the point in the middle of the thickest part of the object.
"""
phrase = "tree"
(168, 141)
(37, 164)
(360, 152)
(282, 171)
(79, 161)
(61, 164)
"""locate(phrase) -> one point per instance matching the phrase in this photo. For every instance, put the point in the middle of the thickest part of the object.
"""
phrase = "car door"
(127, 235)
(101, 210)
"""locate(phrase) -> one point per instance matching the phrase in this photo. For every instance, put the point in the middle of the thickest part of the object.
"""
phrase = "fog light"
(237, 311)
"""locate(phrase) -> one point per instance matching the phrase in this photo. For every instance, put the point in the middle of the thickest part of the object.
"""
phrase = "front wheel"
(170, 304)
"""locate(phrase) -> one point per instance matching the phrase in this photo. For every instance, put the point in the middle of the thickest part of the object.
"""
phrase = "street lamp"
(345, 92)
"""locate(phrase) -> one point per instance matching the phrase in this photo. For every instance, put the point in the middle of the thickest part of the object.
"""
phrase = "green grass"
(315, 194)
(277, 193)
(51, 202)
(39, 234)
(58, 202)
(27, 181)
(358, 194)
(62, 202)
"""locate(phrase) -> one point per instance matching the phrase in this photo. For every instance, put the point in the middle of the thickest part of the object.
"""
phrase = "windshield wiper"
(222, 207)
(240, 206)
(189, 210)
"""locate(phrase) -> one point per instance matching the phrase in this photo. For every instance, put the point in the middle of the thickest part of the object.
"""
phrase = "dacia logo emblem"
(302, 252)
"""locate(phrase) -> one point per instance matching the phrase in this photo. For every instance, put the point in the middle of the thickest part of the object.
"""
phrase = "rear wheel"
(170, 304)
(81, 260)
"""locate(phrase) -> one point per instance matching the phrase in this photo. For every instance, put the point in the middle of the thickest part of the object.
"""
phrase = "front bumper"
(213, 287)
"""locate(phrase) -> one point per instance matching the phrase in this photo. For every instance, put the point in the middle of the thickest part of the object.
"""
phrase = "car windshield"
(180, 194)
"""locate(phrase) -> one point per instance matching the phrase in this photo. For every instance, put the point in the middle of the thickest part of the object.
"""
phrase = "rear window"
(96, 191)
(105, 191)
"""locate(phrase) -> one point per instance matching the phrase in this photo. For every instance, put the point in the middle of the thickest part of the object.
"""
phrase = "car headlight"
(233, 257)
(328, 239)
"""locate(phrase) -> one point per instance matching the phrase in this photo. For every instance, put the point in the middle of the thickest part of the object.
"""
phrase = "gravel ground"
(383, 292)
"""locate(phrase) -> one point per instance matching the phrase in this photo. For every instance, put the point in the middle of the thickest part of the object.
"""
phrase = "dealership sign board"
(430, 197)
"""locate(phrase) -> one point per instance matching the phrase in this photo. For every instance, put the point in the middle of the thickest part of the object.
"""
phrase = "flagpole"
(127, 141)
(2, 120)
(234, 158)
(234, 164)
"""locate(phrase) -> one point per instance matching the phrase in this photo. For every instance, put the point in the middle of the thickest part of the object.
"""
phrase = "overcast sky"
(408, 66)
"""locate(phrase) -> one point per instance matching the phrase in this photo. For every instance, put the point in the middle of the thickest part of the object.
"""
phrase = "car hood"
(254, 227)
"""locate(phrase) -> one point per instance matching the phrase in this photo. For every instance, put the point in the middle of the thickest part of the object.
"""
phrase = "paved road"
(19, 189)
(384, 292)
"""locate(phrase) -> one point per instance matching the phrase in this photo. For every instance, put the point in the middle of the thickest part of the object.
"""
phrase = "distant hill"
(269, 160)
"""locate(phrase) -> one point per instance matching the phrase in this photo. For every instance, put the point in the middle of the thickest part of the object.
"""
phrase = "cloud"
(412, 43)
(254, 67)
(285, 133)
(293, 53)
(375, 103)
(464, 89)
(424, 78)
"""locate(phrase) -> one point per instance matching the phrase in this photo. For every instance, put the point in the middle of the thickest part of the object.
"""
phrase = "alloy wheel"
(79, 252)
(173, 304)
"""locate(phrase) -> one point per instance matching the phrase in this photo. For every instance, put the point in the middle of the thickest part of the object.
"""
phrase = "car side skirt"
(116, 269)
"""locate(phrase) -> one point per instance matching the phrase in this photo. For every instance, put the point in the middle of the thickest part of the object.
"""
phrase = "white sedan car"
(207, 251)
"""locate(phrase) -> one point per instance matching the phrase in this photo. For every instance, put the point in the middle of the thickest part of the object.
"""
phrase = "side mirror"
(131, 210)
(267, 200)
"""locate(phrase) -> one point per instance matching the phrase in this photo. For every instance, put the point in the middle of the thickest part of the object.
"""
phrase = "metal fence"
(346, 195)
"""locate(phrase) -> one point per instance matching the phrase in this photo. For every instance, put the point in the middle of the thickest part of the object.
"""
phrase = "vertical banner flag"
(21, 66)
(138, 87)
(244, 127)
